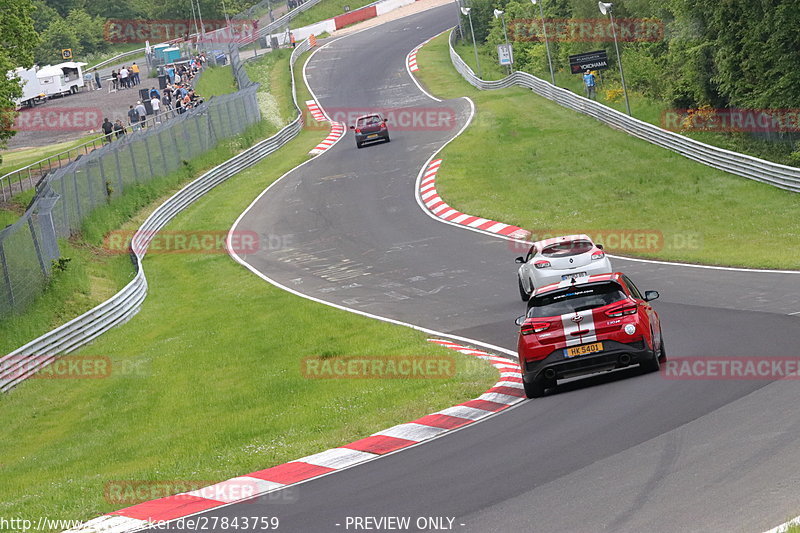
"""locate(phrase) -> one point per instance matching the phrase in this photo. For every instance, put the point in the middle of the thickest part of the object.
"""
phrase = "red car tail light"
(358, 130)
(383, 125)
(542, 264)
(598, 255)
(621, 311)
(534, 327)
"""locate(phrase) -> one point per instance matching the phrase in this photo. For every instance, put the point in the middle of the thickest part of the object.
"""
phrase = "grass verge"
(325, 10)
(18, 158)
(209, 373)
(216, 81)
(580, 175)
(644, 108)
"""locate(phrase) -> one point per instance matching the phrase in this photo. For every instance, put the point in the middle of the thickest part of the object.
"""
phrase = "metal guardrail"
(35, 355)
(782, 176)
(110, 61)
(221, 35)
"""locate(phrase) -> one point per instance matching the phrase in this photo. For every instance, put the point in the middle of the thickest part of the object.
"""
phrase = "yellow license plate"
(575, 351)
(372, 136)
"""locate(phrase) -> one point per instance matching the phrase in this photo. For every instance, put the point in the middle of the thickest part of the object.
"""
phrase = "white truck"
(32, 90)
(62, 79)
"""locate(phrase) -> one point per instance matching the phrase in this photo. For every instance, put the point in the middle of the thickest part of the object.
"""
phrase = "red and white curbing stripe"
(315, 111)
(337, 130)
(437, 206)
(412, 60)
(412, 56)
(506, 392)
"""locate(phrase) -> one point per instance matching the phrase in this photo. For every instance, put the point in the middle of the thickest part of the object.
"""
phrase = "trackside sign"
(580, 63)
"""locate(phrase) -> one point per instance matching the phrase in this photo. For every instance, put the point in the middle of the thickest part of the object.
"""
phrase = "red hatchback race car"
(587, 325)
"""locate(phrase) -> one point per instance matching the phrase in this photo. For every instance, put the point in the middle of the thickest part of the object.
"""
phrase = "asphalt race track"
(619, 452)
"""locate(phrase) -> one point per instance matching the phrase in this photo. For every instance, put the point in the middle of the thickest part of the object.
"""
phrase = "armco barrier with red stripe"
(434, 203)
(355, 16)
(506, 392)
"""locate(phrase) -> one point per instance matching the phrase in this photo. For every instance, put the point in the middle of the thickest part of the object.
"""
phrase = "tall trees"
(714, 52)
(17, 41)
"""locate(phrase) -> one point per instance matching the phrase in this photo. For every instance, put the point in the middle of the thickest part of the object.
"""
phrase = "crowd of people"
(125, 78)
(178, 96)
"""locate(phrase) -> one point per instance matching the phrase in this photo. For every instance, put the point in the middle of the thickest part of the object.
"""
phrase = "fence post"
(133, 162)
(38, 249)
(159, 137)
(6, 277)
(178, 153)
(77, 198)
(120, 180)
(231, 127)
(147, 151)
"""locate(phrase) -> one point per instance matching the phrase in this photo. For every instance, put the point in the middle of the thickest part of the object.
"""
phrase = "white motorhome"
(61, 79)
(32, 91)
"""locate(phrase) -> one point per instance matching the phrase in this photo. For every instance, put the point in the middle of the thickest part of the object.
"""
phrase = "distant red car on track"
(586, 325)
(370, 128)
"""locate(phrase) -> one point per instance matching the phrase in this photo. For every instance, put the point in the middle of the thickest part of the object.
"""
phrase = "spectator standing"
(133, 118)
(114, 80)
(97, 79)
(590, 84)
(155, 103)
(166, 99)
(178, 104)
(142, 113)
(88, 81)
(119, 129)
(108, 128)
(154, 92)
(123, 77)
(135, 74)
(171, 73)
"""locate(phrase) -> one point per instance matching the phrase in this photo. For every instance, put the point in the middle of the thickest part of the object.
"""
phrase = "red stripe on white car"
(434, 203)
(506, 392)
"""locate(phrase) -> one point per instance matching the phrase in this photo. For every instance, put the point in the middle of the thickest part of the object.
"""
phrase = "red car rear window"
(369, 121)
